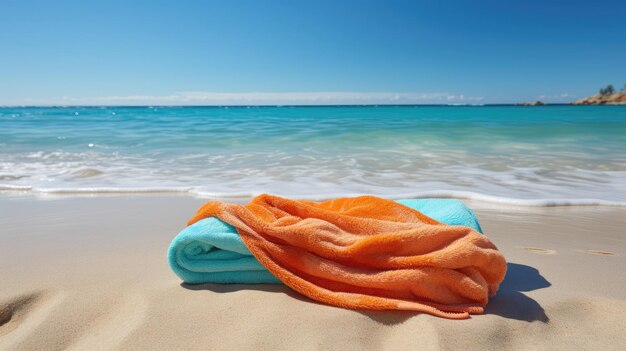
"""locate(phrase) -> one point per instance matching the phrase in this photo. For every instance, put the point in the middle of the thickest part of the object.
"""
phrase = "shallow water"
(533, 155)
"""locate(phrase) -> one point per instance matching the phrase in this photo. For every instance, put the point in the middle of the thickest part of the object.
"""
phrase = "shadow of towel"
(384, 317)
(508, 303)
(229, 288)
(511, 303)
(388, 317)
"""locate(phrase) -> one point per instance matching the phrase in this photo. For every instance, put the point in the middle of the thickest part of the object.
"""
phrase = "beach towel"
(211, 251)
(365, 253)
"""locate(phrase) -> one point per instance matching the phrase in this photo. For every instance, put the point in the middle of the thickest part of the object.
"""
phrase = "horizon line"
(303, 105)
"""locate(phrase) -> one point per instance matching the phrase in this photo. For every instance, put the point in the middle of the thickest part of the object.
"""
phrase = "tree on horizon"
(609, 90)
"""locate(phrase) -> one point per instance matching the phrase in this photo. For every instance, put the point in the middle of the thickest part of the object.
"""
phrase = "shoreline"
(525, 157)
(91, 271)
(488, 200)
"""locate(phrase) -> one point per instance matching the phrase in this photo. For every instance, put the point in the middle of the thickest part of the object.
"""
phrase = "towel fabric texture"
(211, 251)
(360, 253)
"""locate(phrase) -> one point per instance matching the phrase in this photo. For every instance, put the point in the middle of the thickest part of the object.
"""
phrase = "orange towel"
(367, 253)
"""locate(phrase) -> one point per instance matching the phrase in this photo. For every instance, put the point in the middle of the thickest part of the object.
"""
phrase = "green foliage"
(609, 90)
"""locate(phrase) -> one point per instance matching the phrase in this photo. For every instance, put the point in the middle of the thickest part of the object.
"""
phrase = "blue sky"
(282, 52)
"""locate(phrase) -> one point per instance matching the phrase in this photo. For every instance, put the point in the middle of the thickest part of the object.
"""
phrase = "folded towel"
(362, 253)
(211, 251)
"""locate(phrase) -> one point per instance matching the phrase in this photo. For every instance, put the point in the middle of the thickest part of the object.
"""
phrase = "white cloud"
(555, 98)
(262, 98)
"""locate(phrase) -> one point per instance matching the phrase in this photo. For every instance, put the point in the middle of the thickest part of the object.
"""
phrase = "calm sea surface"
(540, 155)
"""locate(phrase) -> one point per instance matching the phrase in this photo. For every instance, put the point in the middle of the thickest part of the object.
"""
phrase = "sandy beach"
(120, 119)
(90, 273)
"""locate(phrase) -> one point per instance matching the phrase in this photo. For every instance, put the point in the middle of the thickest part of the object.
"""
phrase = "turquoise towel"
(211, 251)
(448, 211)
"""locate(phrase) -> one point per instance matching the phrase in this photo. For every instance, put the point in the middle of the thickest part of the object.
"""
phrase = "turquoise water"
(536, 154)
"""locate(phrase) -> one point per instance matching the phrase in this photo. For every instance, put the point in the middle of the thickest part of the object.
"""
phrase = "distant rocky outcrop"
(535, 103)
(603, 99)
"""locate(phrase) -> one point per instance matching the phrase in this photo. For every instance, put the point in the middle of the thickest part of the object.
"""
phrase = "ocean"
(545, 155)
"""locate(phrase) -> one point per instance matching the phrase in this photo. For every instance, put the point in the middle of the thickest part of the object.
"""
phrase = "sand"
(90, 273)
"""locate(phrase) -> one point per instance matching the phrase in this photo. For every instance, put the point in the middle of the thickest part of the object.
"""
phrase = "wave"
(195, 192)
(95, 190)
